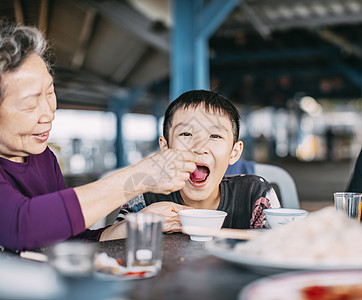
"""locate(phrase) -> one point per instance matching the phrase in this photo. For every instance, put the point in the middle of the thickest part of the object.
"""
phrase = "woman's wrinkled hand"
(169, 211)
(166, 171)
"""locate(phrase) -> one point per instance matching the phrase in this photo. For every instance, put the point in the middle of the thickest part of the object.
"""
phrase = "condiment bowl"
(280, 216)
(201, 221)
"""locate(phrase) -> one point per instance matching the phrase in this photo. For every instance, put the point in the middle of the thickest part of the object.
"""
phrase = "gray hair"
(17, 42)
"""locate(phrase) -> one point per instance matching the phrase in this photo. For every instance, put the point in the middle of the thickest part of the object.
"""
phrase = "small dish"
(201, 219)
(280, 216)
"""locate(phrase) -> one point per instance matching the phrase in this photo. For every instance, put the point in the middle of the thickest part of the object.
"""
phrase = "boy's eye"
(215, 136)
(185, 134)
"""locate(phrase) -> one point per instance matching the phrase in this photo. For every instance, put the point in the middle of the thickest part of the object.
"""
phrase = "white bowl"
(199, 220)
(280, 216)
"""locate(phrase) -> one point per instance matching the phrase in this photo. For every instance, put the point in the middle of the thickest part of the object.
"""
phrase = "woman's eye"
(30, 108)
(185, 134)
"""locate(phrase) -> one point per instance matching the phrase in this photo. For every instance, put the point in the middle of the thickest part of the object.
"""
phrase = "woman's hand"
(165, 172)
(168, 210)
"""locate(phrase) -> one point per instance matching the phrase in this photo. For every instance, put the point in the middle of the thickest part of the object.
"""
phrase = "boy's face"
(209, 135)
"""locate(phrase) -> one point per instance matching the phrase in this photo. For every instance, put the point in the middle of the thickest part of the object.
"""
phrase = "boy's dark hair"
(211, 101)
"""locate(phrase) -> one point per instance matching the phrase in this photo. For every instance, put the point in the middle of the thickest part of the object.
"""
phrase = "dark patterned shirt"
(243, 197)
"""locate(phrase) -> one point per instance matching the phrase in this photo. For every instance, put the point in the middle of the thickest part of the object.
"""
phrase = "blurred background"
(293, 69)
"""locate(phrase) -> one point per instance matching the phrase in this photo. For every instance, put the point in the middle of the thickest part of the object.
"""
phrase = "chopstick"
(240, 234)
(34, 256)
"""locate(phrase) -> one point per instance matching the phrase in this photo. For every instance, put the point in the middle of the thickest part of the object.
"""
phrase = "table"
(188, 272)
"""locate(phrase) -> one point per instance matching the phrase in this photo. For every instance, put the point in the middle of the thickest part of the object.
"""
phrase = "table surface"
(188, 272)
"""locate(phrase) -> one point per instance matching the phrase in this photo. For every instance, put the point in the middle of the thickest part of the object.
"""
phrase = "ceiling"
(268, 51)
(264, 53)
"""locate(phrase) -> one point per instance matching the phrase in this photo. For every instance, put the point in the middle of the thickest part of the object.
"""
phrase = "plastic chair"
(280, 177)
(241, 167)
(274, 175)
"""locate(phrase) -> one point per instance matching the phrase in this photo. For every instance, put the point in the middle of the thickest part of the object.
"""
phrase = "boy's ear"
(236, 152)
(163, 143)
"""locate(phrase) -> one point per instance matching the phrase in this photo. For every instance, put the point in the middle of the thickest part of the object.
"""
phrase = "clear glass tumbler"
(349, 203)
(144, 242)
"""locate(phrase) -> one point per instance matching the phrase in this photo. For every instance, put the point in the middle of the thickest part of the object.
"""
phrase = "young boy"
(207, 124)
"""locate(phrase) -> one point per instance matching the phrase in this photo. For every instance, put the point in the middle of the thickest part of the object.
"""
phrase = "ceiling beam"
(280, 24)
(211, 14)
(18, 9)
(84, 38)
(340, 41)
(287, 14)
(352, 74)
(255, 20)
(132, 20)
(194, 22)
(271, 55)
(132, 55)
(43, 16)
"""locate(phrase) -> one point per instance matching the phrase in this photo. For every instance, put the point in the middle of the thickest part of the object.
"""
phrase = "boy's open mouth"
(200, 174)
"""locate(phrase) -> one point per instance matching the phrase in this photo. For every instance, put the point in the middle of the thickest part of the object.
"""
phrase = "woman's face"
(27, 111)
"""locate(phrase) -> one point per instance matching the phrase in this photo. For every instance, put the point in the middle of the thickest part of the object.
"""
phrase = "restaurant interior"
(292, 68)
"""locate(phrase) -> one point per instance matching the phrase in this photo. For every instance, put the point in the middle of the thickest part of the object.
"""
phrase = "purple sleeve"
(36, 210)
(41, 221)
(73, 209)
(30, 223)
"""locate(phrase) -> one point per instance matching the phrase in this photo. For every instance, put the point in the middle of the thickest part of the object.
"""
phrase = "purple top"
(36, 209)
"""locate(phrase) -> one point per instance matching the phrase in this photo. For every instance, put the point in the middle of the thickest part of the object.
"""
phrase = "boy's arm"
(119, 230)
(269, 199)
(272, 197)
(169, 210)
(132, 206)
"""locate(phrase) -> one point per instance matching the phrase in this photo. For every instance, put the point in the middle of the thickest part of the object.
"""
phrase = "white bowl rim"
(202, 213)
(282, 211)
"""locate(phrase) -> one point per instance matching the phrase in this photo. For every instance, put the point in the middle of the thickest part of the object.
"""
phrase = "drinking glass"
(144, 242)
(72, 258)
(349, 203)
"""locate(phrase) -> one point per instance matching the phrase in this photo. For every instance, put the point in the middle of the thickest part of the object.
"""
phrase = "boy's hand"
(166, 171)
(169, 211)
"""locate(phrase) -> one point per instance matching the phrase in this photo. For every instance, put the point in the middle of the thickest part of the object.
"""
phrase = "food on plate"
(109, 265)
(337, 292)
(325, 237)
(312, 285)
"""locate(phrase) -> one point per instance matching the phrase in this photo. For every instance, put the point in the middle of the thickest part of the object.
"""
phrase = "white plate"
(223, 248)
(125, 276)
(288, 286)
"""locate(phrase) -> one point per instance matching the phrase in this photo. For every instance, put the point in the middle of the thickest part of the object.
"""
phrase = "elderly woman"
(36, 208)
